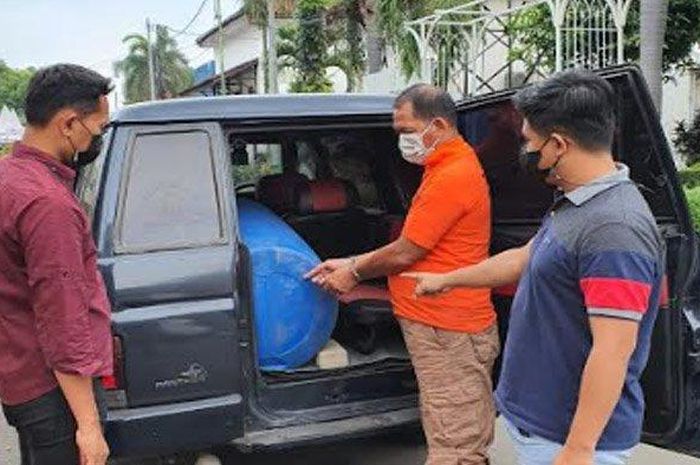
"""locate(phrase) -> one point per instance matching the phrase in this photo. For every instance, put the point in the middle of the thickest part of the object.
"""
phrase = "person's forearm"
(499, 270)
(80, 395)
(601, 385)
(386, 261)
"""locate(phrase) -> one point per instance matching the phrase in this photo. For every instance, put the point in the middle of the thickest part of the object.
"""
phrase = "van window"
(170, 197)
(253, 158)
(494, 133)
(89, 179)
(348, 159)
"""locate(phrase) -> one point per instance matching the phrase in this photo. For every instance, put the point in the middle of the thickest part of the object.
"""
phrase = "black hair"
(429, 102)
(63, 86)
(577, 103)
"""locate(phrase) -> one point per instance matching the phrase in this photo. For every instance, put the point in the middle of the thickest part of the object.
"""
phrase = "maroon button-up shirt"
(54, 310)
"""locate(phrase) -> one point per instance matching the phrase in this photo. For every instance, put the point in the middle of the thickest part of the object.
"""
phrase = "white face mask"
(412, 148)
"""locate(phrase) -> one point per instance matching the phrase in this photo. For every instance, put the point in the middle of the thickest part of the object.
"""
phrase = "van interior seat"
(328, 218)
(277, 191)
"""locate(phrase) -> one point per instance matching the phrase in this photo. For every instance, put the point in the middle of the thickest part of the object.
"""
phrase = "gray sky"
(89, 32)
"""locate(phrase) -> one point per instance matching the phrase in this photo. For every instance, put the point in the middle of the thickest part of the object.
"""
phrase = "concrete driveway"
(394, 449)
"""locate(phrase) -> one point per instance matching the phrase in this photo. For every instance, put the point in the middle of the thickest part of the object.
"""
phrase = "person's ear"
(562, 143)
(65, 121)
(441, 123)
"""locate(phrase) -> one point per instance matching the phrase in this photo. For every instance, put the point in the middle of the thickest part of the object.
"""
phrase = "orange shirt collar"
(444, 150)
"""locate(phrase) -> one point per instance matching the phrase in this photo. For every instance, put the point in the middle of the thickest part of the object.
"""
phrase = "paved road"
(395, 449)
(407, 449)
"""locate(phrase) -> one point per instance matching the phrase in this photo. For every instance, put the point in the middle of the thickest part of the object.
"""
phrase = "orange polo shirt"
(450, 216)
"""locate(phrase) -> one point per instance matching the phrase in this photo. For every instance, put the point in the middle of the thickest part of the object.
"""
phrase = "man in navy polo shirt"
(589, 286)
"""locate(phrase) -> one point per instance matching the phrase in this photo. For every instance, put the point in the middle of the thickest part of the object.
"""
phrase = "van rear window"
(170, 197)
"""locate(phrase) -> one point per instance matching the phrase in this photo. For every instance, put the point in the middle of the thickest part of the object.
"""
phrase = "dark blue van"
(163, 202)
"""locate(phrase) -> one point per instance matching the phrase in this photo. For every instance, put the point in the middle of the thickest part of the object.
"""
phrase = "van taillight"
(665, 296)
(116, 380)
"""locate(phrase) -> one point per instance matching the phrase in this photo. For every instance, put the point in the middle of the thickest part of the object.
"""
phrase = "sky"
(89, 32)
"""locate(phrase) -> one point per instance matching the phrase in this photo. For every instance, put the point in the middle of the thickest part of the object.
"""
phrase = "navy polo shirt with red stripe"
(598, 253)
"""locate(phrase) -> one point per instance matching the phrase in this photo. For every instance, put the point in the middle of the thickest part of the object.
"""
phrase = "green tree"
(172, 72)
(13, 87)
(305, 47)
(348, 20)
(392, 16)
(256, 11)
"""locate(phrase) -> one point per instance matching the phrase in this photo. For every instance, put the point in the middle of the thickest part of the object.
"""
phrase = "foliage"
(13, 87)
(532, 34)
(256, 10)
(533, 38)
(5, 149)
(693, 196)
(690, 177)
(682, 33)
(351, 47)
(172, 72)
(392, 16)
(687, 140)
(305, 47)
(244, 174)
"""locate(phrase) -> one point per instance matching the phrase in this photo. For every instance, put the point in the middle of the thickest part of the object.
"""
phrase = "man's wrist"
(88, 423)
(353, 269)
(581, 447)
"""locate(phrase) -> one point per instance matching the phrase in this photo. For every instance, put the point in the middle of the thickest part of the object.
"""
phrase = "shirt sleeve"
(435, 210)
(52, 234)
(618, 270)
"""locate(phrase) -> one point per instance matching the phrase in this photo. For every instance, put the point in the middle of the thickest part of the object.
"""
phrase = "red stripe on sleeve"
(616, 293)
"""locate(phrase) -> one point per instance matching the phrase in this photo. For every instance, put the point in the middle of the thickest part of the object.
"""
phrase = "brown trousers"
(456, 393)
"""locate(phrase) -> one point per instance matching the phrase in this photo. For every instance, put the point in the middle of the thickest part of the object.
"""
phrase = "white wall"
(242, 44)
(680, 102)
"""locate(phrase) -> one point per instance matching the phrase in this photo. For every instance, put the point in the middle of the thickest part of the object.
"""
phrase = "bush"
(693, 196)
(687, 140)
(690, 177)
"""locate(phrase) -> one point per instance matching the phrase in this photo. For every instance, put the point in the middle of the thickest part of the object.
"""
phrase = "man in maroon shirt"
(54, 313)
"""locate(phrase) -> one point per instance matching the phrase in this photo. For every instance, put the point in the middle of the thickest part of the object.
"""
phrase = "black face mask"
(90, 154)
(529, 161)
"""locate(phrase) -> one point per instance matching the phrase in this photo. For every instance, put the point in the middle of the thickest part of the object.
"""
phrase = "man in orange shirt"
(452, 338)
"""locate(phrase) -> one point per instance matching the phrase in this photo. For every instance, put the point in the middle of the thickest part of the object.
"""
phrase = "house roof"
(225, 23)
(257, 107)
(231, 72)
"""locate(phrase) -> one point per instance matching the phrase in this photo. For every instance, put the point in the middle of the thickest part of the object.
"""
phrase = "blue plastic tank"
(293, 317)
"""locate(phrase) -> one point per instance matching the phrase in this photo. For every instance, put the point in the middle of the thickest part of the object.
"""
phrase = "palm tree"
(256, 11)
(652, 31)
(172, 72)
(392, 16)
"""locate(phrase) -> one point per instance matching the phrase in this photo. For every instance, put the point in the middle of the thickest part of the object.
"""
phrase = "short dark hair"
(429, 102)
(63, 86)
(577, 103)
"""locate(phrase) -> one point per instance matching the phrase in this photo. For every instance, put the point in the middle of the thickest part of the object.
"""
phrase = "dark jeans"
(46, 428)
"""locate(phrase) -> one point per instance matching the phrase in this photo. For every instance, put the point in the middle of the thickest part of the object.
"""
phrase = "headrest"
(277, 191)
(324, 196)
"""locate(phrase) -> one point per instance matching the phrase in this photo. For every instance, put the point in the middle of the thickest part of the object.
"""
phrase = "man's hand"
(91, 445)
(319, 272)
(428, 283)
(339, 281)
(569, 456)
